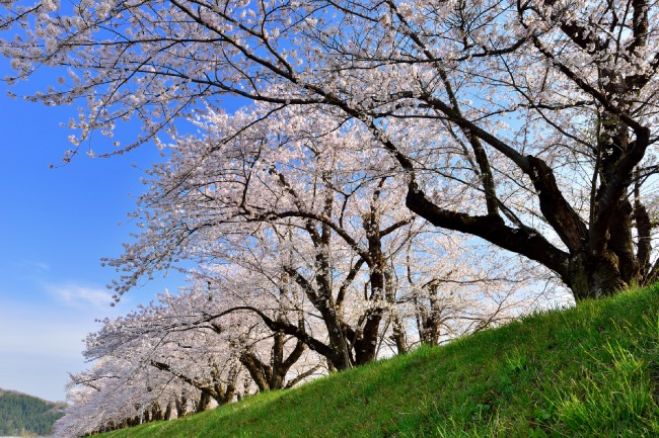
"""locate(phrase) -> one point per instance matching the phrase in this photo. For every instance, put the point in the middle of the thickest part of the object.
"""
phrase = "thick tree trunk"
(277, 381)
(429, 320)
(337, 339)
(366, 343)
(595, 276)
(273, 376)
(204, 401)
(156, 412)
(256, 370)
(399, 335)
(168, 415)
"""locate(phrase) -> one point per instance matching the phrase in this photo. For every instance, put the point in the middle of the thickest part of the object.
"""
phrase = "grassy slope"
(589, 371)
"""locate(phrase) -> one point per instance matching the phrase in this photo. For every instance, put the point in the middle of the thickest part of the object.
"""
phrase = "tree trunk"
(594, 276)
(169, 411)
(256, 370)
(204, 401)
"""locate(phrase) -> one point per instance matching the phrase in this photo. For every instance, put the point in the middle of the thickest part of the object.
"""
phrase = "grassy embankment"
(591, 371)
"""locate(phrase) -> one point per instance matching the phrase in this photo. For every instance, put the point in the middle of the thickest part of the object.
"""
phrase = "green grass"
(592, 371)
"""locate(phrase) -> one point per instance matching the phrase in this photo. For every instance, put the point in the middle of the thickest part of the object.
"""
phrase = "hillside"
(589, 371)
(24, 414)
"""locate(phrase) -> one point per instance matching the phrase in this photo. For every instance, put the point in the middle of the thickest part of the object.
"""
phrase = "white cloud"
(35, 265)
(79, 295)
(43, 266)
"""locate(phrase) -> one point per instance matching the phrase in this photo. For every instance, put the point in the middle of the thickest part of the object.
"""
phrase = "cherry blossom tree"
(281, 243)
(177, 336)
(169, 358)
(461, 289)
(117, 393)
(540, 111)
(297, 210)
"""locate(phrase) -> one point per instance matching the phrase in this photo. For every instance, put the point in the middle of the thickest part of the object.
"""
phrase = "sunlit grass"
(592, 371)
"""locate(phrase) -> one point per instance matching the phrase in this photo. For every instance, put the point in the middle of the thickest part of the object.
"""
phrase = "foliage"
(588, 371)
(527, 124)
(188, 352)
(21, 413)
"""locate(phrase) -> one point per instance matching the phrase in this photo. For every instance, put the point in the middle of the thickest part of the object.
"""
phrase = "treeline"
(300, 264)
(21, 414)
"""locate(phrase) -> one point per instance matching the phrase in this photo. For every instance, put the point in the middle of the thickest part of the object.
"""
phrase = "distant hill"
(22, 414)
(591, 371)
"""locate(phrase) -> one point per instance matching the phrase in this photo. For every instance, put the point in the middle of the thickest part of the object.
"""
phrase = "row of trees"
(306, 261)
(382, 154)
(541, 111)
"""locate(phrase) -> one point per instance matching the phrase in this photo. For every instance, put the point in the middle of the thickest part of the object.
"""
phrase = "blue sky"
(55, 225)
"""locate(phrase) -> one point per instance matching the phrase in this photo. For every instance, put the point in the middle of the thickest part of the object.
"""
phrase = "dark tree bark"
(272, 376)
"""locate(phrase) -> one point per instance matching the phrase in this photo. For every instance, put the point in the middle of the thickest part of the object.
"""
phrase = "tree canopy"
(540, 113)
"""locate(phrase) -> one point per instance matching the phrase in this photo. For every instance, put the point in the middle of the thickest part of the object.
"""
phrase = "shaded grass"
(591, 371)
